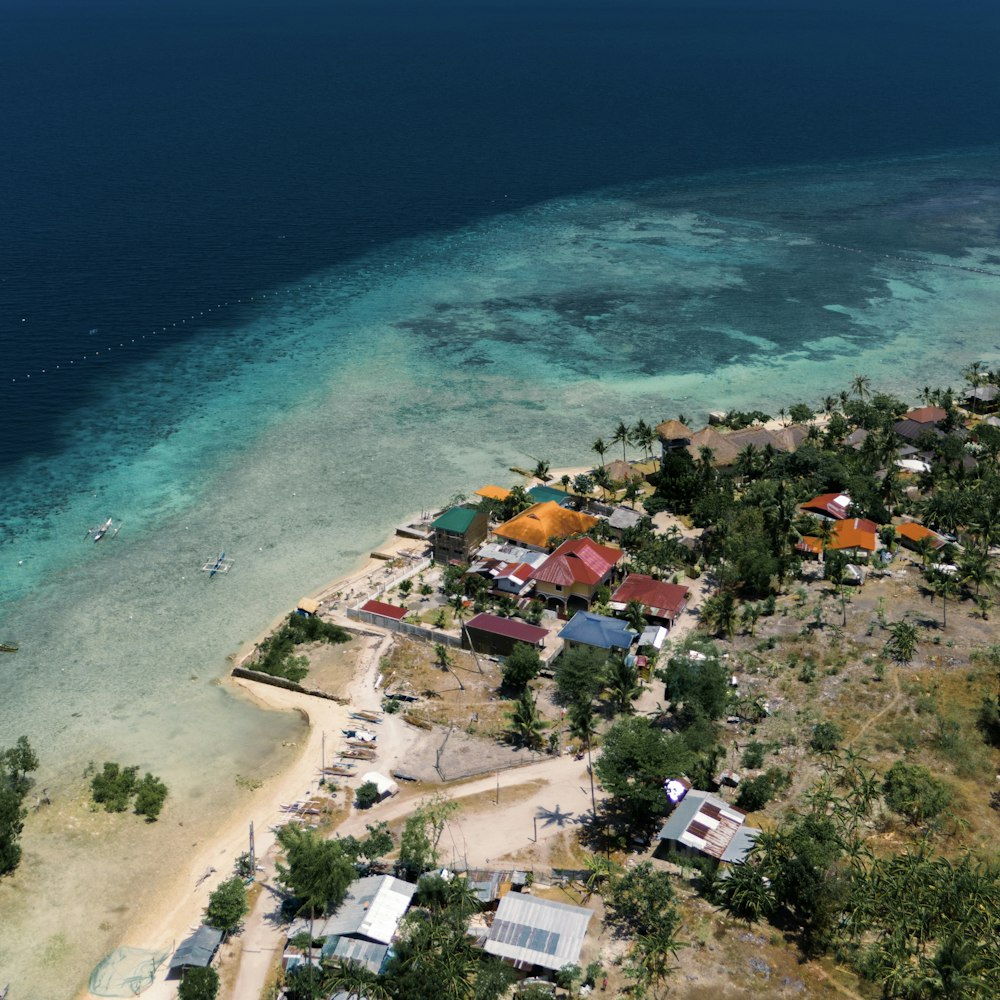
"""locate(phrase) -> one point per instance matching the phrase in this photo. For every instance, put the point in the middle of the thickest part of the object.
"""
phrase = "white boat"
(103, 530)
(217, 565)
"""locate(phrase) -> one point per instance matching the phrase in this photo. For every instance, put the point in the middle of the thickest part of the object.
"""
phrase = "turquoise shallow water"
(297, 439)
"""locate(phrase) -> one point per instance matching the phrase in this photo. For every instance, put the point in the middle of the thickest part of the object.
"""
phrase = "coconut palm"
(861, 386)
(718, 613)
(635, 615)
(902, 641)
(622, 684)
(600, 447)
(526, 724)
(976, 567)
(582, 726)
(355, 980)
(622, 436)
(602, 478)
(645, 437)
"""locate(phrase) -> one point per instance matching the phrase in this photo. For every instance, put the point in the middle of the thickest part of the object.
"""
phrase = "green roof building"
(458, 532)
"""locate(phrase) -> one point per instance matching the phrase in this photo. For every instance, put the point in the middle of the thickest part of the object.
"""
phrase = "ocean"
(274, 276)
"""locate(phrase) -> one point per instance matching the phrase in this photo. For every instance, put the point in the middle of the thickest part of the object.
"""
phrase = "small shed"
(386, 786)
(307, 607)
(197, 950)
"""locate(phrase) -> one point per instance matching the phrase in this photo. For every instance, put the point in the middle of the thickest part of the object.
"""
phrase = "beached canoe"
(8, 647)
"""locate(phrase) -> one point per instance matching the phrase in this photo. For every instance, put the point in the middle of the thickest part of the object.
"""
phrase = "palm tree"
(566, 480)
(622, 436)
(635, 615)
(526, 724)
(600, 447)
(748, 462)
(977, 567)
(354, 979)
(902, 641)
(645, 437)
(582, 726)
(444, 662)
(541, 470)
(719, 613)
(861, 386)
(603, 479)
(622, 684)
(975, 375)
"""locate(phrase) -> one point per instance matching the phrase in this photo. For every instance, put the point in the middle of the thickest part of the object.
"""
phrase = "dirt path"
(892, 704)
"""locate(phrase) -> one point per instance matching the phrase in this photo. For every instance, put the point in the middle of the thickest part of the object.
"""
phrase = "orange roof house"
(493, 492)
(535, 527)
(835, 505)
(855, 533)
(910, 533)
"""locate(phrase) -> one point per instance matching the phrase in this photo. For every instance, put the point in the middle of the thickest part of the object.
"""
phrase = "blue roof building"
(589, 629)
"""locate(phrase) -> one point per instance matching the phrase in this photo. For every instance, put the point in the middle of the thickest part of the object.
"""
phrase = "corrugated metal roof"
(706, 823)
(510, 628)
(385, 610)
(664, 600)
(370, 954)
(372, 909)
(458, 519)
(597, 630)
(531, 931)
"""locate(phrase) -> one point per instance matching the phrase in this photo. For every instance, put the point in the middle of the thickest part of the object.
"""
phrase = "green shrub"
(753, 755)
(150, 795)
(114, 787)
(227, 906)
(367, 795)
(755, 793)
(199, 984)
(913, 792)
(826, 736)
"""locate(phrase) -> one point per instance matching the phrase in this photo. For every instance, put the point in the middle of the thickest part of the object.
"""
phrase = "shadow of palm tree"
(555, 816)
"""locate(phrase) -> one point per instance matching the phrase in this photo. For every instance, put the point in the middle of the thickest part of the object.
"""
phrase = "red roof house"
(494, 634)
(383, 610)
(926, 415)
(664, 601)
(576, 569)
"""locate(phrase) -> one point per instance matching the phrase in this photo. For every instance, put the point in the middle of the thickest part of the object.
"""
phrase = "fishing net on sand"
(126, 972)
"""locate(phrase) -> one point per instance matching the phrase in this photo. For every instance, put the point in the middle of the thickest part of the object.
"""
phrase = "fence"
(405, 628)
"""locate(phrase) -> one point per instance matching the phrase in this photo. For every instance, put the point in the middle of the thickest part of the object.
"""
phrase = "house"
(198, 950)
(381, 614)
(491, 634)
(598, 631)
(914, 430)
(457, 533)
(927, 415)
(673, 435)
(491, 492)
(366, 921)
(621, 472)
(542, 526)
(661, 602)
(910, 534)
(828, 505)
(623, 518)
(702, 823)
(573, 573)
(653, 636)
(983, 398)
(856, 536)
(533, 933)
(543, 494)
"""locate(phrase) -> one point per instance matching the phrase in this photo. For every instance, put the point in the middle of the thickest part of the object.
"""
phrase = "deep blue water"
(160, 159)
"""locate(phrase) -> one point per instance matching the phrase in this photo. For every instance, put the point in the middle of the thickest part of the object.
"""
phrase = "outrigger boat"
(366, 716)
(103, 530)
(219, 565)
(8, 647)
(357, 754)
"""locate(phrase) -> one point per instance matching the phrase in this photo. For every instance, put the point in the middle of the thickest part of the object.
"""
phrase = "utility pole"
(253, 851)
